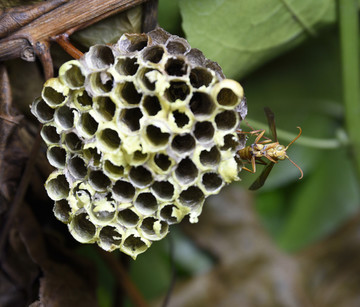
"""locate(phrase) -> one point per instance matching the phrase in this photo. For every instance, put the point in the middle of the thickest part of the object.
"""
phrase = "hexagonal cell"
(64, 116)
(42, 111)
(163, 189)
(77, 167)
(92, 156)
(49, 134)
(88, 124)
(139, 158)
(53, 97)
(81, 228)
(109, 139)
(176, 67)
(177, 90)
(128, 218)
(82, 196)
(99, 57)
(211, 157)
(113, 171)
(204, 131)
(227, 98)
(162, 161)
(153, 54)
(201, 104)
(73, 142)
(166, 214)
(180, 118)
(129, 93)
(126, 66)
(144, 78)
(62, 210)
(134, 245)
(101, 82)
(211, 181)
(226, 120)
(56, 156)
(200, 76)
(103, 210)
(146, 203)
(156, 136)
(140, 176)
(99, 181)
(57, 186)
(177, 47)
(153, 229)
(186, 171)
(230, 142)
(110, 238)
(123, 191)
(70, 74)
(131, 118)
(104, 107)
(136, 42)
(191, 197)
(183, 143)
(151, 105)
(83, 101)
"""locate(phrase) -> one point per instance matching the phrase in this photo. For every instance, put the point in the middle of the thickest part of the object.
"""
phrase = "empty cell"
(183, 143)
(136, 42)
(130, 94)
(156, 136)
(200, 76)
(52, 97)
(92, 156)
(62, 210)
(140, 176)
(113, 170)
(226, 97)
(84, 100)
(146, 203)
(211, 157)
(163, 189)
(139, 157)
(149, 225)
(230, 142)
(109, 236)
(134, 245)
(166, 214)
(126, 66)
(56, 156)
(57, 187)
(64, 116)
(150, 85)
(73, 76)
(177, 90)
(153, 54)
(110, 138)
(191, 197)
(181, 119)
(77, 167)
(105, 107)
(201, 104)
(204, 131)
(162, 161)
(81, 228)
(100, 57)
(186, 171)
(176, 67)
(42, 111)
(88, 124)
(131, 118)
(123, 191)
(151, 105)
(99, 181)
(128, 218)
(176, 47)
(211, 181)
(101, 82)
(226, 120)
(73, 142)
(49, 134)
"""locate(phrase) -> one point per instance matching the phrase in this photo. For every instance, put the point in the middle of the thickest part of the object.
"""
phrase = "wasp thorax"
(141, 133)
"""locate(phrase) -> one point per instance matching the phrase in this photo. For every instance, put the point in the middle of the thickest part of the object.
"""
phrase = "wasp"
(269, 149)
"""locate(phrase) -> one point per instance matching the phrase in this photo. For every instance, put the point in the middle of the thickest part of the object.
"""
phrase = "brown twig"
(64, 42)
(123, 278)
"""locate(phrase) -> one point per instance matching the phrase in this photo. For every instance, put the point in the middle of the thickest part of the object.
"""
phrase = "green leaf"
(325, 200)
(169, 16)
(241, 34)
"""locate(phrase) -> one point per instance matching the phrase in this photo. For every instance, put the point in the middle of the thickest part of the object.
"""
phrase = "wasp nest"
(140, 133)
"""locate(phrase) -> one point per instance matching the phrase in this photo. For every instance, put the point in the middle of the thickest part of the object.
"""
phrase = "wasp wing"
(259, 182)
(271, 120)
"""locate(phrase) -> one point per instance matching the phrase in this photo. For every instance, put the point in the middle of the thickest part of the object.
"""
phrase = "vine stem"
(349, 44)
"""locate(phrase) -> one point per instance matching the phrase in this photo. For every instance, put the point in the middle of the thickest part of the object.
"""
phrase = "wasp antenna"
(295, 138)
(298, 167)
